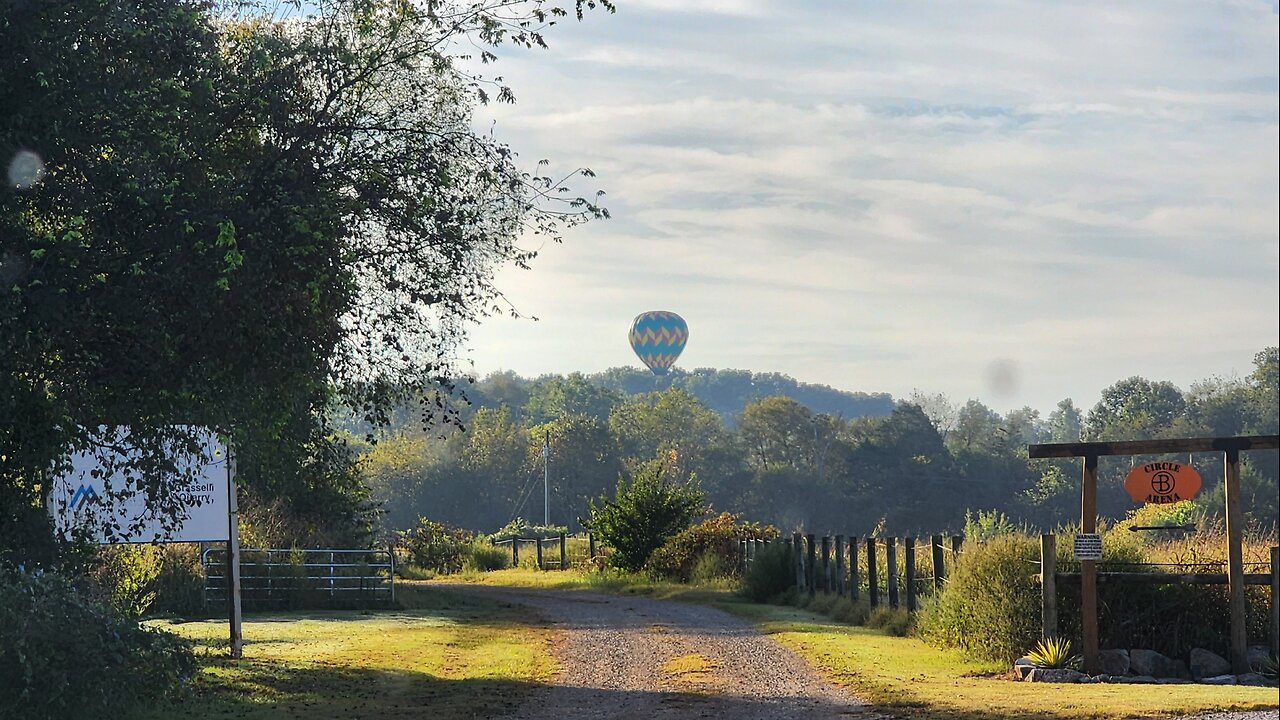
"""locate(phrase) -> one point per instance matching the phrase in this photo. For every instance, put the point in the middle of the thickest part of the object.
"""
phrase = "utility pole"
(546, 480)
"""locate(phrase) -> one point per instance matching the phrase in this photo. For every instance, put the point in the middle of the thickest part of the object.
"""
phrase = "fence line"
(275, 576)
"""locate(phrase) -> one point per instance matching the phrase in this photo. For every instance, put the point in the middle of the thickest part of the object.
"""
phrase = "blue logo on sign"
(83, 493)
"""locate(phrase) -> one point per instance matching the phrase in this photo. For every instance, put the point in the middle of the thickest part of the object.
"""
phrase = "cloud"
(889, 196)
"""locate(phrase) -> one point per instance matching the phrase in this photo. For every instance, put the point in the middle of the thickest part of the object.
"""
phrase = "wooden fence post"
(564, 553)
(1235, 563)
(891, 570)
(810, 566)
(826, 564)
(909, 557)
(515, 551)
(840, 565)
(936, 542)
(591, 548)
(1048, 587)
(797, 558)
(873, 591)
(1275, 602)
(956, 542)
(853, 568)
(539, 541)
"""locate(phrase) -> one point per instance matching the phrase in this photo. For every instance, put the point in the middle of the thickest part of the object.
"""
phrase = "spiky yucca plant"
(1269, 668)
(1054, 653)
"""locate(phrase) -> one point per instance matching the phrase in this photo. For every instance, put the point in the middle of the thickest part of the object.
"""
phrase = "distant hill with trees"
(725, 392)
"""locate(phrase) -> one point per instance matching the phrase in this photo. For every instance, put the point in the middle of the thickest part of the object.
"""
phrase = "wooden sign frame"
(1230, 447)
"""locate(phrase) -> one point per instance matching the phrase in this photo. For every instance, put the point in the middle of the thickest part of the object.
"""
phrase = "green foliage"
(435, 546)
(645, 511)
(1054, 653)
(989, 608)
(1269, 668)
(483, 557)
(716, 537)
(518, 528)
(64, 654)
(769, 574)
(895, 622)
(986, 525)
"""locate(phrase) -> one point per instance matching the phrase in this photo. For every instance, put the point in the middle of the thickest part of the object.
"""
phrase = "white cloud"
(890, 196)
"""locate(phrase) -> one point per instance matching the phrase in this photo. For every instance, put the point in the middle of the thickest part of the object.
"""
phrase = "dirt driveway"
(627, 658)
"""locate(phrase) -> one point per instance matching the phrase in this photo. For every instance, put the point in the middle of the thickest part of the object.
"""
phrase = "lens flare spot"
(26, 170)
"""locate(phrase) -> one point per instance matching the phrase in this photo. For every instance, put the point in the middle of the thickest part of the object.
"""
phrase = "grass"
(608, 581)
(458, 656)
(909, 679)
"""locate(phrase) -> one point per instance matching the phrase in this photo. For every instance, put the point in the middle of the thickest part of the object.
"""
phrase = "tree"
(263, 217)
(1065, 422)
(1135, 409)
(645, 510)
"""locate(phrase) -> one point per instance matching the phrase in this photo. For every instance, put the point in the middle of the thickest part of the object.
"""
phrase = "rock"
(1054, 676)
(1138, 680)
(1219, 680)
(1173, 681)
(1208, 664)
(1253, 679)
(1150, 662)
(1114, 662)
(1024, 661)
(1257, 655)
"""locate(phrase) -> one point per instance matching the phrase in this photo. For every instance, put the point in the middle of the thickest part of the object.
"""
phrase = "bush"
(990, 607)
(179, 582)
(716, 537)
(645, 511)
(483, 557)
(890, 621)
(434, 546)
(769, 575)
(64, 653)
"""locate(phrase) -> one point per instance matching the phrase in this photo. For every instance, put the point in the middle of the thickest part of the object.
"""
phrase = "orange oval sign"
(1162, 482)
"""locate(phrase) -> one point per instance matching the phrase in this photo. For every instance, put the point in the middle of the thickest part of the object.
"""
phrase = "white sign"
(1087, 546)
(86, 497)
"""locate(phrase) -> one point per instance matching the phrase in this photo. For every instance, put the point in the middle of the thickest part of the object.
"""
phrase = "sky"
(1017, 202)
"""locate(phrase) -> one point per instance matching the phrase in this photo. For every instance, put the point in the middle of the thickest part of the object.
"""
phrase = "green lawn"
(453, 655)
(912, 680)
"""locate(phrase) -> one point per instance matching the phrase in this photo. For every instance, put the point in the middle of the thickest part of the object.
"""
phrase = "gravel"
(634, 658)
(637, 658)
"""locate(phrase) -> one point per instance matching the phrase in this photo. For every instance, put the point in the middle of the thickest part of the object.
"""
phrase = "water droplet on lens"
(26, 170)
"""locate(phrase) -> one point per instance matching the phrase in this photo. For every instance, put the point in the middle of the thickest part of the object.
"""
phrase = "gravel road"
(635, 658)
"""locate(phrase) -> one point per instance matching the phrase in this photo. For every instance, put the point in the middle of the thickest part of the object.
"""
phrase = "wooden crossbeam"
(1153, 447)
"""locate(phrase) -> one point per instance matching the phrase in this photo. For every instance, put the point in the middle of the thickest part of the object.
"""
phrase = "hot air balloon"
(658, 336)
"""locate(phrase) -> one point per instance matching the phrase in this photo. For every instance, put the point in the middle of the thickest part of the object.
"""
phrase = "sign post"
(1162, 483)
(1089, 568)
(233, 559)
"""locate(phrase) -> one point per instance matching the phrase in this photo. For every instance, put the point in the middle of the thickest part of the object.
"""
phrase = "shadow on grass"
(266, 691)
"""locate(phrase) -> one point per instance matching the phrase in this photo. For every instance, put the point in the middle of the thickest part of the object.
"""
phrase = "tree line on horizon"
(758, 446)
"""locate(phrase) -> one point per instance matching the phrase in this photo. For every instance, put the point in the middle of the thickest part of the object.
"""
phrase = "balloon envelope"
(658, 336)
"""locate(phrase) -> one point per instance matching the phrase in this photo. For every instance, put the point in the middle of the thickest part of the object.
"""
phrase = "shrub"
(483, 557)
(180, 581)
(518, 528)
(64, 653)
(716, 537)
(645, 511)
(434, 546)
(891, 621)
(1055, 654)
(769, 575)
(990, 607)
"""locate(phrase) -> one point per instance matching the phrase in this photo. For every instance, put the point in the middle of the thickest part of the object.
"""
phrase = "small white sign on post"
(80, 498)
(1087, 546)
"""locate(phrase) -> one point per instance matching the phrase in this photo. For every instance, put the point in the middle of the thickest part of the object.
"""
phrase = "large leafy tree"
(233, 220)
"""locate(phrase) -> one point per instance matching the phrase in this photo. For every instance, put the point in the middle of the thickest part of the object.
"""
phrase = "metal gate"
(275, 578)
